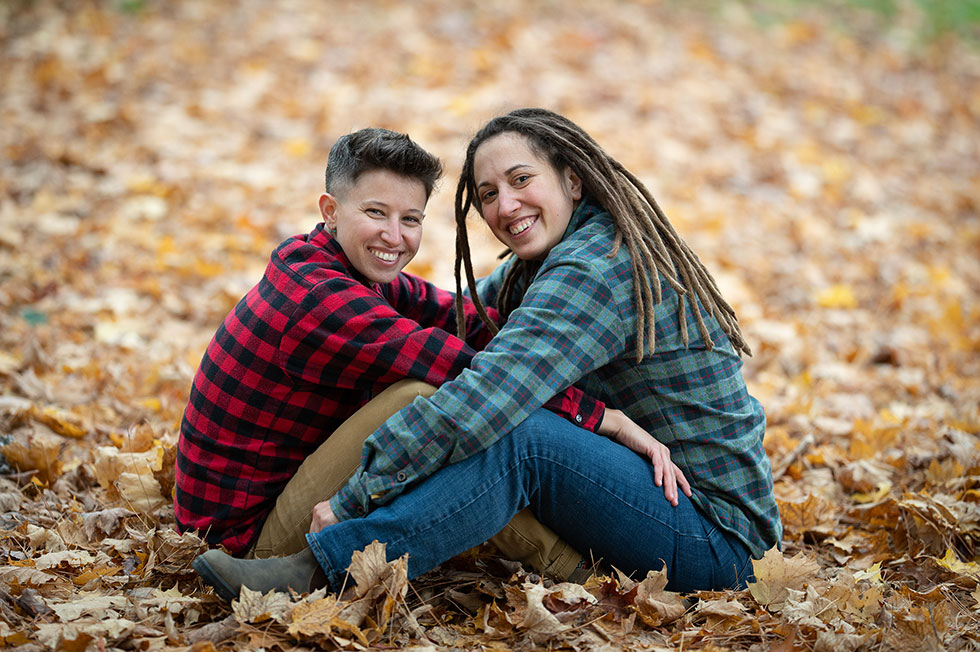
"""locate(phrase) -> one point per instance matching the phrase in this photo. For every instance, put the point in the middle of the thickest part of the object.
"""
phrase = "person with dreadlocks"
(600, 291)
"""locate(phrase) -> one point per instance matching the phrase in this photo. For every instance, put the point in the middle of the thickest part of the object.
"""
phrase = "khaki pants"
(325, 471)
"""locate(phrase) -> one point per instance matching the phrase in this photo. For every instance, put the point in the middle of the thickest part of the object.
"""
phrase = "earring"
(333, 231)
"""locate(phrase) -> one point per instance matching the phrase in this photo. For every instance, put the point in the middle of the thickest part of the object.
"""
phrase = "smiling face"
(524, 200)
(378, 222)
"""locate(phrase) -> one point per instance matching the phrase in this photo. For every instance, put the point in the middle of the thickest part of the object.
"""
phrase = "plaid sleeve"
(567, 326)
(572, 404)
(430, 305)
(346, 335)
(417, 299)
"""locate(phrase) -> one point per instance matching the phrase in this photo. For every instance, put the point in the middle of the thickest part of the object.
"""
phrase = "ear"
(574, 184)
(328, 209)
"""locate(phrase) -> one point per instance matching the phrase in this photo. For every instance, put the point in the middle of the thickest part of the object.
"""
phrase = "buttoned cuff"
(345, 505)
(592, 411)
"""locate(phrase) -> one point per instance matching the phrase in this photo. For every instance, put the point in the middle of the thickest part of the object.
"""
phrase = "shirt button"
(401, 477)
(360, 510)
(578, 418)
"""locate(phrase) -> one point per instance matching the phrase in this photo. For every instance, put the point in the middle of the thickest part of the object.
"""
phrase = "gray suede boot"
(228, 574)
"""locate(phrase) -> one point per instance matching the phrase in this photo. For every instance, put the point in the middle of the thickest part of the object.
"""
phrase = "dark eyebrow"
(507, 172)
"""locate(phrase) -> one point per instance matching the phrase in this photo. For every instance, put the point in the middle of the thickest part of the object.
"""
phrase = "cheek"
(490, 219)
(414, 241)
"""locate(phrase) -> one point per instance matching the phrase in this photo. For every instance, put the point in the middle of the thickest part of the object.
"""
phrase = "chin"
(528, 254)
(388, 277)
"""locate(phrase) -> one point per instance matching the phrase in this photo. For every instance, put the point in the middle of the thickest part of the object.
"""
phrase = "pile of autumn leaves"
(79, 575)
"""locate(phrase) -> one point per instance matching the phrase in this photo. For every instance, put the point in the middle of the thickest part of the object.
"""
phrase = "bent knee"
(543, 426)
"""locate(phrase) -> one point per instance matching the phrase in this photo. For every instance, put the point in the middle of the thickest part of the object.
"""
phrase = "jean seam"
(332, 576)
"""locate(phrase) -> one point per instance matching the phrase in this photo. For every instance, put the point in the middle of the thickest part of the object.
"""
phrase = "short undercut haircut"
(378, 149)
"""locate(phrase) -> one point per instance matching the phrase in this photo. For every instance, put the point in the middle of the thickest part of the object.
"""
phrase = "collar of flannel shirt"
(587, 208)
(321, 238)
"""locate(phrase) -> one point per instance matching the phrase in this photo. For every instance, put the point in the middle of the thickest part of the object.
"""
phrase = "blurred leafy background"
(821, 157)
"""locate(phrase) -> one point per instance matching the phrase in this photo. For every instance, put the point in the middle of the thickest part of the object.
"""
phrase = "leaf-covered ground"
(825, 167)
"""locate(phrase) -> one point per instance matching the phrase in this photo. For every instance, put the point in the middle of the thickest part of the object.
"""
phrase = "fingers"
(663, 475)
(316, 524)
(682, 481)
(667, 474)
(670, 486)
(658, 466)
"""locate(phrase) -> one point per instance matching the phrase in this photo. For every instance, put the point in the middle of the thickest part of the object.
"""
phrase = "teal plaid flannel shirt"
(577, 325)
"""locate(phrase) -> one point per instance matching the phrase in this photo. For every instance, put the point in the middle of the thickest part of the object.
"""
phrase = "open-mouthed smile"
(521, 225)
(384, 256)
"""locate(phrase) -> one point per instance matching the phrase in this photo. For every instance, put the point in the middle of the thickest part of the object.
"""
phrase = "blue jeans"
(595, 494)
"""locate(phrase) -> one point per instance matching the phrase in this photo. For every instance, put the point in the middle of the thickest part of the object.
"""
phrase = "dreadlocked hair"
(654, 246)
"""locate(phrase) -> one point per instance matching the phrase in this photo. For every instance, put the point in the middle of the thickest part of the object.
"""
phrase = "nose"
(391, 233)
(507, 202)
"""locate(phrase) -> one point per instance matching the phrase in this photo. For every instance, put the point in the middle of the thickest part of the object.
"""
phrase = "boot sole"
(213, 578)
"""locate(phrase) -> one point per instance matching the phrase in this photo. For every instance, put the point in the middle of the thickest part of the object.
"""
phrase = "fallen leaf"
(141, 491)
(966, 572)
(253, 607)
(775, 575)
(655, 605)
(540, 623)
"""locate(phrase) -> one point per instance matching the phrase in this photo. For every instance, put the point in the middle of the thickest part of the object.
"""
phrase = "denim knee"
(541, 427)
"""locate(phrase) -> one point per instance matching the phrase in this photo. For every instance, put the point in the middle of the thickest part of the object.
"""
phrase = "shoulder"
(590, 247)
(581, 270)
(302, 262)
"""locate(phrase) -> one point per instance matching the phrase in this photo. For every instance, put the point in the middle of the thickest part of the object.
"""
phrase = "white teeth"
(520, 227)
(385, 256)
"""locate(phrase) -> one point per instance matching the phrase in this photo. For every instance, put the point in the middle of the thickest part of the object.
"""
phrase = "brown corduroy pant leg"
(329, 467)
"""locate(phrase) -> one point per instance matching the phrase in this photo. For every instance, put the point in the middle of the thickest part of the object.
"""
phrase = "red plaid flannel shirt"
(300, 353)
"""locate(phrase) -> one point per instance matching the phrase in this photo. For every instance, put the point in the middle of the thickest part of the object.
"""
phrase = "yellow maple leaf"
(872, 574)
(90, 574)
(321, 618)
(61, 422)
(813, 514)
(968, 570)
